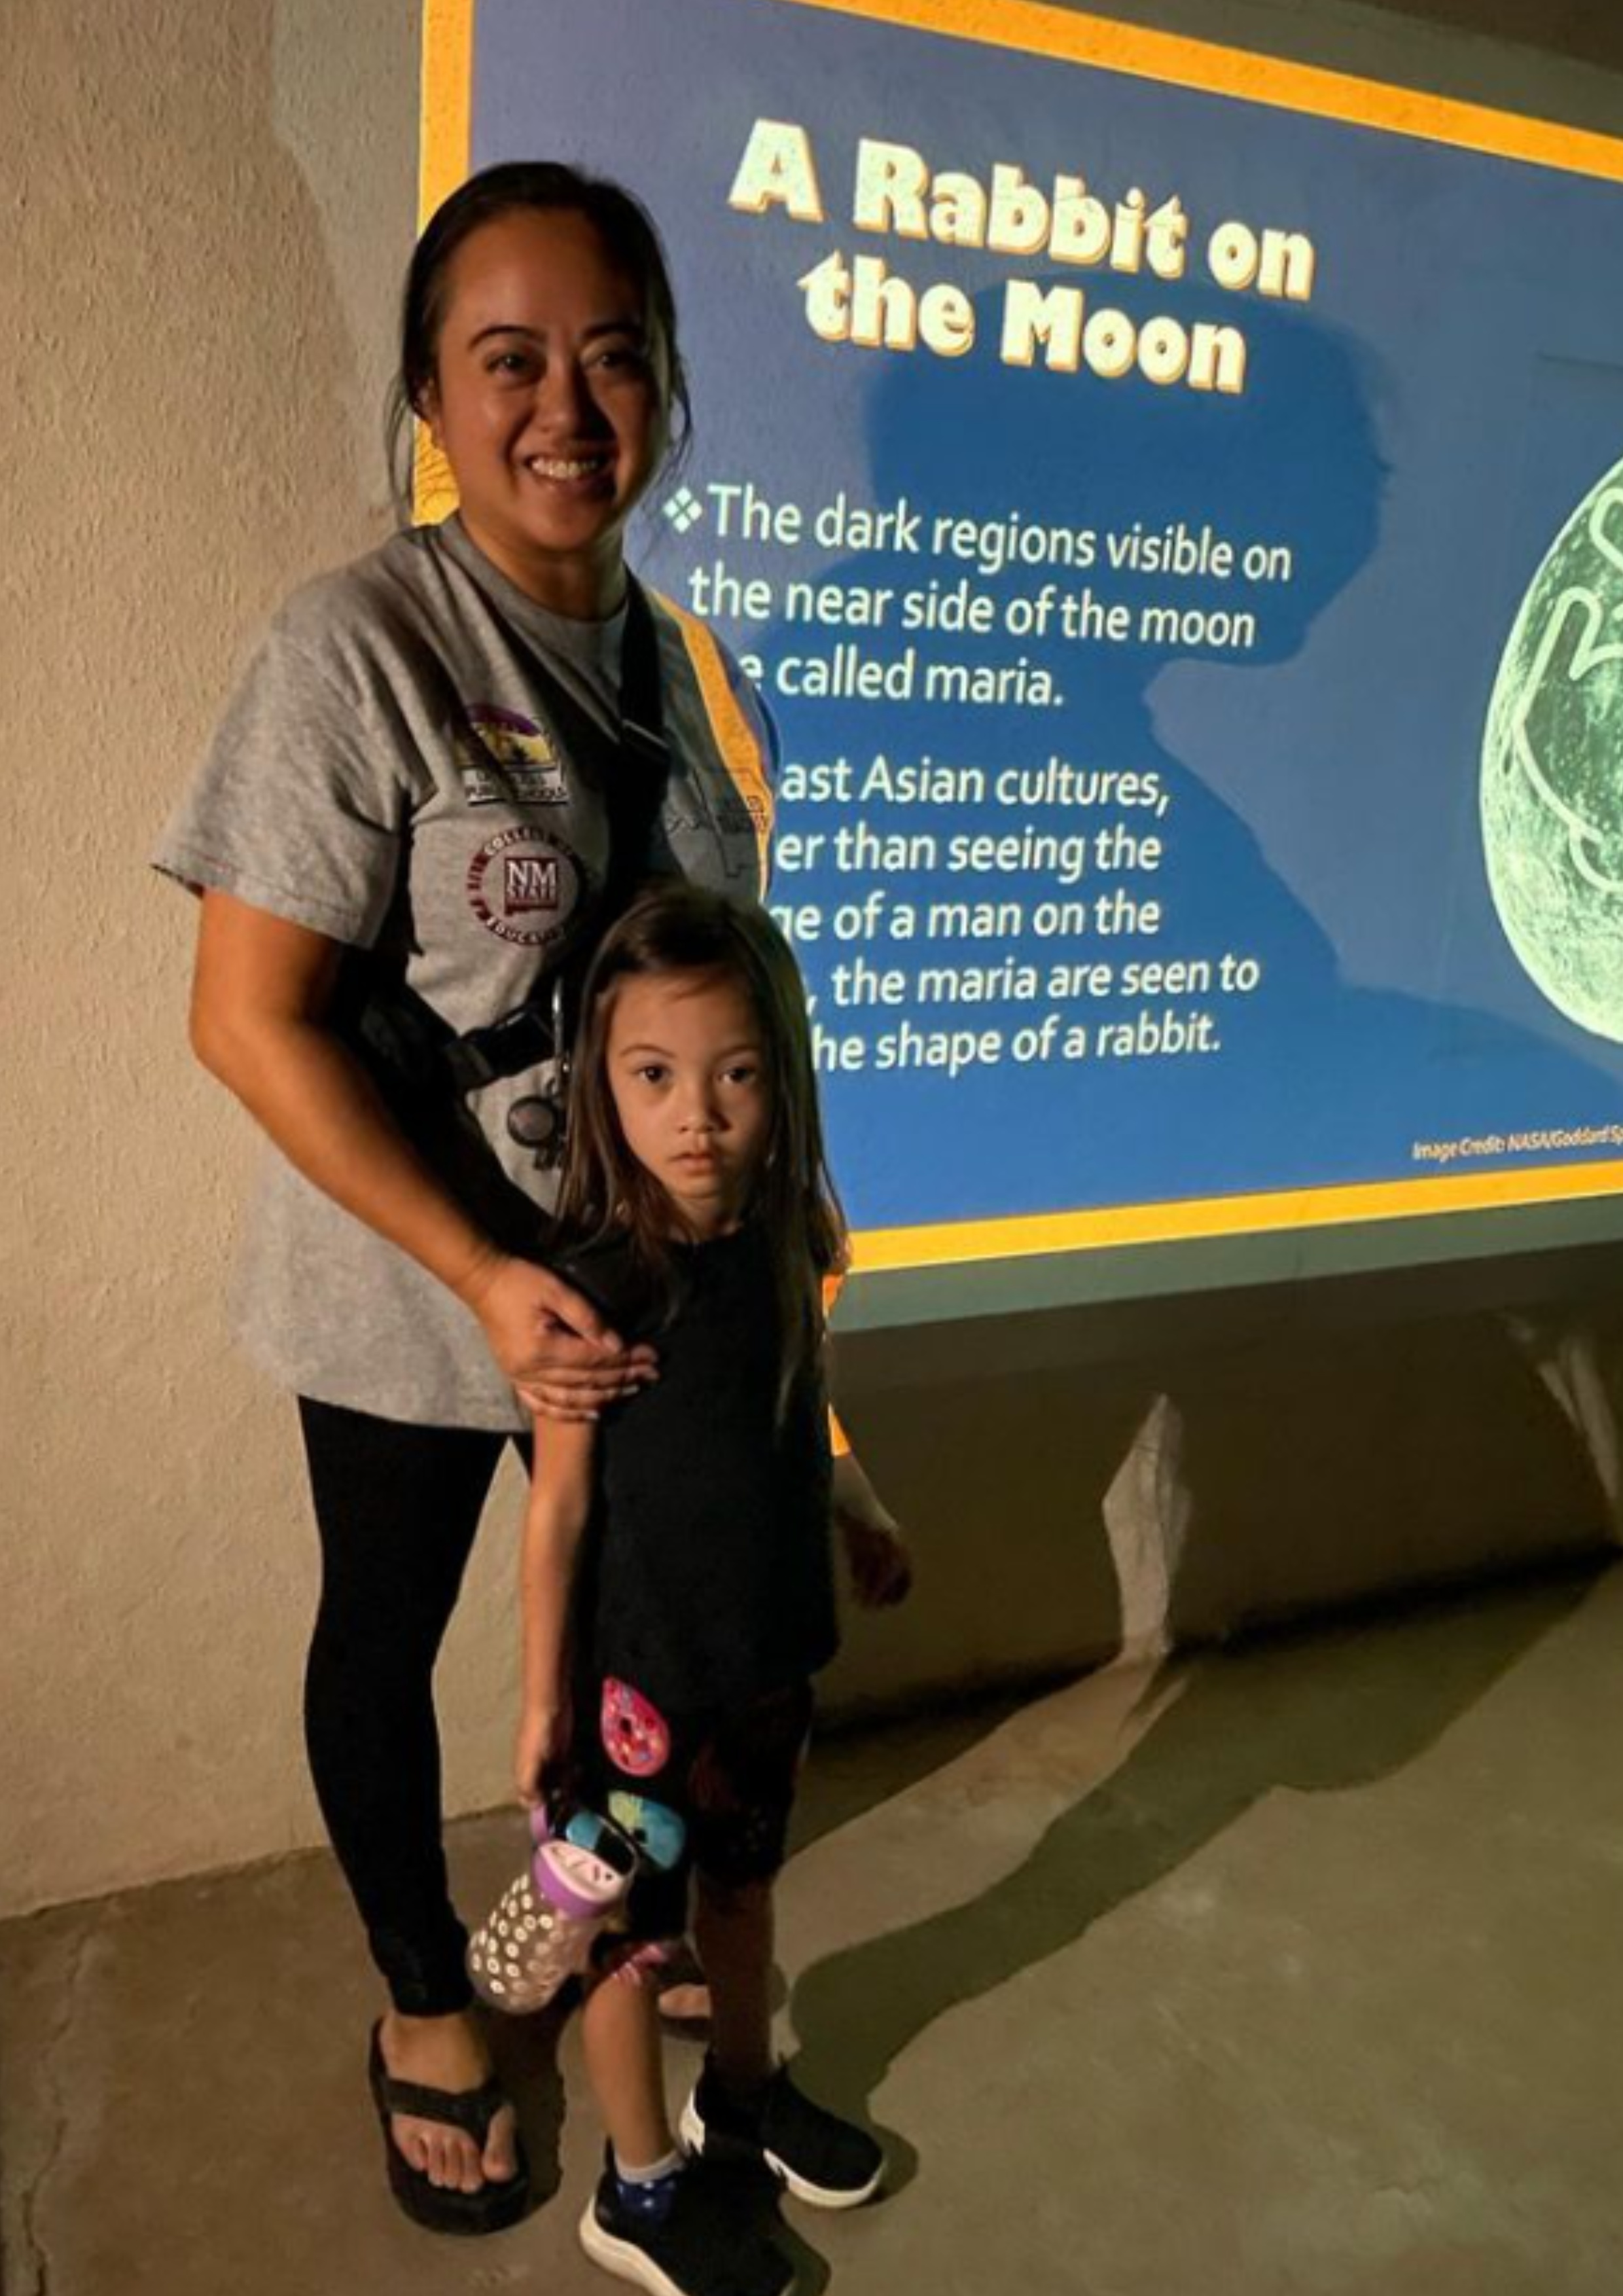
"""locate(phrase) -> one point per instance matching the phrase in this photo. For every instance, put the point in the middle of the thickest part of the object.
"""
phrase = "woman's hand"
(262, 997)
(551, 1342)
(542, 1743)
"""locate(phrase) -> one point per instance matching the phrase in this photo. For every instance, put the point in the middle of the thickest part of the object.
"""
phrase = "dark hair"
(674, 928)
(548, 187)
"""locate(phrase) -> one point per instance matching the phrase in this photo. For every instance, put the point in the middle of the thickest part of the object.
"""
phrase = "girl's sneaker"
(695, 2246)
(819, 2158)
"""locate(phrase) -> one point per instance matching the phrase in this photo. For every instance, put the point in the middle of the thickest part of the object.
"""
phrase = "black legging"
(397, 1508)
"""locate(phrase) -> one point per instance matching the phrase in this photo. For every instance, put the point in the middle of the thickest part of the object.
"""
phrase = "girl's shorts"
(708, 1794)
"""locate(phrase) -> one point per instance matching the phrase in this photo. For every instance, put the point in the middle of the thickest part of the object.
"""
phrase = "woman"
(445, 769)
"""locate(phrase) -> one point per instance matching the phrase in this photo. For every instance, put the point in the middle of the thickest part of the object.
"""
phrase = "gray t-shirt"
(389, 775)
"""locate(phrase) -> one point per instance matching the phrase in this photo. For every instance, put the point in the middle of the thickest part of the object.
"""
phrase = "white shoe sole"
(622, 2258)
(691, 2129)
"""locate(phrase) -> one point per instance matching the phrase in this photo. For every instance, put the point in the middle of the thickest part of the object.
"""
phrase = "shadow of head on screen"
(1290, 456)
(1337, 1712)
(1017, 459)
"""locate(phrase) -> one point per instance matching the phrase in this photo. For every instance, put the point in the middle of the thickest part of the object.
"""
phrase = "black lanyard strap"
(630, 774)
(423, 1069)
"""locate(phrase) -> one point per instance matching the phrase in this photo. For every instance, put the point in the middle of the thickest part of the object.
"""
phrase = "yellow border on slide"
(1034, 29)
(446, 133)
(1179, 61)
(879, 1250)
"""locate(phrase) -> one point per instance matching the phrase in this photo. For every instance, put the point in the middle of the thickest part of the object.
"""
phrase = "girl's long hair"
(674, 929)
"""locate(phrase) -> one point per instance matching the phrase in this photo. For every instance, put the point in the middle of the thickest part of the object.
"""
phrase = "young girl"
(677, 1578)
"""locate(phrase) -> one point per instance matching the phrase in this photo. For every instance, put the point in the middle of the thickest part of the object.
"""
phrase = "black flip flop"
(434, 2206)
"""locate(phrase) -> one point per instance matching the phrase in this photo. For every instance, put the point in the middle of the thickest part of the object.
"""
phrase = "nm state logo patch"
(523, 886)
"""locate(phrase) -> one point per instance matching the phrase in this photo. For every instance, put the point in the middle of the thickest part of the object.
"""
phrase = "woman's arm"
(554, 1521)
(261, 993)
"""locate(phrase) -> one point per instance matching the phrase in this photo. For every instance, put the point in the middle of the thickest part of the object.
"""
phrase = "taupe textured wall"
(208, 206)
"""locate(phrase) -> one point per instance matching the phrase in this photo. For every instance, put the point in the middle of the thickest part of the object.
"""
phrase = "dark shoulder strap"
(634, 783)
(630, 774)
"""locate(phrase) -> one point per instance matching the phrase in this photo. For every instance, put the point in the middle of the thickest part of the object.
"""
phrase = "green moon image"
(1553, 770)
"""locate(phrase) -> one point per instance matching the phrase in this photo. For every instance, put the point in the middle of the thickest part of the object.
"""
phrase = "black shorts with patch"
(727, 1777)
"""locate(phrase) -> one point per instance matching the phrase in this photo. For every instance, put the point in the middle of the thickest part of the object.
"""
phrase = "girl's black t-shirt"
(708, 1579)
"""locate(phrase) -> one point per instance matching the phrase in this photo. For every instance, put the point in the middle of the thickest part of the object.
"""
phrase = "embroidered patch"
(637, 1737)
(657, 1831)
(523, 886)
(737, 816)
(507, 759)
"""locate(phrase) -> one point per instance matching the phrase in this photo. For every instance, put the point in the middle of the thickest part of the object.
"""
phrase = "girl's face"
(688, 1073)
(548, 404)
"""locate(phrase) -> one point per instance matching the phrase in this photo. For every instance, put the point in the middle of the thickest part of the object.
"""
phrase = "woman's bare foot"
(683, 1993)
(448, 2052)
(686, 2003)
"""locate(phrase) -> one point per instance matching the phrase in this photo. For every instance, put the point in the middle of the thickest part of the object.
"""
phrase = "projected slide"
(1173, 504)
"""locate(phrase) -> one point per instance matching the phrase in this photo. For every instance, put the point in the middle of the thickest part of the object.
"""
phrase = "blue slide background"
(1417, 432)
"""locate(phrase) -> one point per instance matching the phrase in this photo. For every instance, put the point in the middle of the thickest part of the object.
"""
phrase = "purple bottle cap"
(575, 1881)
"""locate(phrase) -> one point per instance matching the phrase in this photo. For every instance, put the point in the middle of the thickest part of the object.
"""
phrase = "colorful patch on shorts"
(637, 1736)
(657, 1833)
(606, 1841)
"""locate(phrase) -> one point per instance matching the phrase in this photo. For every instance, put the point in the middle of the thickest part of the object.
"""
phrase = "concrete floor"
(1293, 1971)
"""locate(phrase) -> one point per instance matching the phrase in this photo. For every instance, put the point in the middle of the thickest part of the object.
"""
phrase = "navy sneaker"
(819, 2158)
(692, 2243)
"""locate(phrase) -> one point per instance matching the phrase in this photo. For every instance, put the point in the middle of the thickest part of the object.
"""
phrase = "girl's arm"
(876, 1550)
(260, 995)
(554, 1521)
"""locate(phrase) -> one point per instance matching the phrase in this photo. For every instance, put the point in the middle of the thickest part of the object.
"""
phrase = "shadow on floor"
(240, 2003)
(1341, 1710)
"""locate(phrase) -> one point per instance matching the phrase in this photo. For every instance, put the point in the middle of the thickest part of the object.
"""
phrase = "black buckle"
(522, 1039)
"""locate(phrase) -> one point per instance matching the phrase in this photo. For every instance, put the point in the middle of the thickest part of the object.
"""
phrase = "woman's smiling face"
(549, 402)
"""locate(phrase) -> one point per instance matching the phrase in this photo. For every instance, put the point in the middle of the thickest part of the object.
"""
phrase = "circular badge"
(523, 886)
(535, 1122)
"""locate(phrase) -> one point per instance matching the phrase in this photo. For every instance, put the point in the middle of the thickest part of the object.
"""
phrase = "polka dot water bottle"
(542, 1931)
